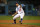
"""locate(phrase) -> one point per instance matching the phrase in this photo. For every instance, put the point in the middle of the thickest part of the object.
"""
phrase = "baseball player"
(19, 13)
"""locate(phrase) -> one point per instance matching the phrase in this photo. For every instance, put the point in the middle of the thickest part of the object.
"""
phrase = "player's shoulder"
(18, 5)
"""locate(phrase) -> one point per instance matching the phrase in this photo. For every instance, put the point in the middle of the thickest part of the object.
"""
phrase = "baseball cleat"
(13, 23)
(20, 22)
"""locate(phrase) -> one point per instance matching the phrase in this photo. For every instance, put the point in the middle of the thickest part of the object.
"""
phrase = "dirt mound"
(17, 25)
(24, 21)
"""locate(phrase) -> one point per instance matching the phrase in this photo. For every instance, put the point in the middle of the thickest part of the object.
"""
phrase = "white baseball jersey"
(19, 10)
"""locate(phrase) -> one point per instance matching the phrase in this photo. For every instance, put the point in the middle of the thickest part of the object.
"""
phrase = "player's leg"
(14, 18)
(20, 21)
(21, 17)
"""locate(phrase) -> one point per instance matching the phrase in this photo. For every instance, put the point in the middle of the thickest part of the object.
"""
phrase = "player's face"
(16, 4)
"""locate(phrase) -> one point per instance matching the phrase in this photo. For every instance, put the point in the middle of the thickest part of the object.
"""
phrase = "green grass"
(25, 18)
(38, 24)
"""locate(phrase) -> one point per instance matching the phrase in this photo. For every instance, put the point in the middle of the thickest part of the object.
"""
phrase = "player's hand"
(13, 15)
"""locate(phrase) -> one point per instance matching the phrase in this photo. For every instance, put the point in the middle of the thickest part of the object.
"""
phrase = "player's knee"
(13, 18)
(21, 17)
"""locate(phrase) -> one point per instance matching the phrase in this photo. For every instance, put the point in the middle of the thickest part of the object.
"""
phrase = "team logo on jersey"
(20, 9)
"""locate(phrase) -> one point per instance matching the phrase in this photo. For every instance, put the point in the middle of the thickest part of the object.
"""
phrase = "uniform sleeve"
(16, 9)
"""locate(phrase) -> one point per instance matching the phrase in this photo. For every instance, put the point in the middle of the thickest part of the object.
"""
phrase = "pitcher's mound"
(17, 25)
